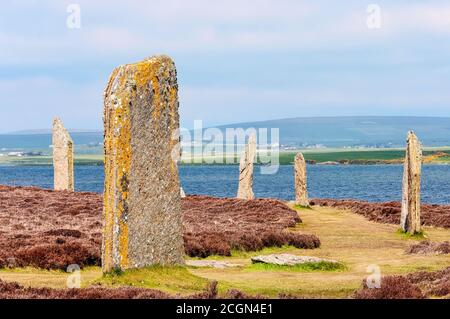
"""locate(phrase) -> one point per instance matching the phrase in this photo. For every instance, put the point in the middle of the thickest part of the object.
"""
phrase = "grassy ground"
(369, 156)
(346, 237)
(86, 159)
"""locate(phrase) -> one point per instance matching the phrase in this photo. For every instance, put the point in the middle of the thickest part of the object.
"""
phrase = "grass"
(173, 280)
(85, 159)
(305, 267)
(300, 207)
(364, 156)
(347, 237)
(406, 235)
(350, 238)
(32, 277)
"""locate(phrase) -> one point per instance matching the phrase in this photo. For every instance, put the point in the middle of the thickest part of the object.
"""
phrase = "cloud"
(33, 102)
(237, 60)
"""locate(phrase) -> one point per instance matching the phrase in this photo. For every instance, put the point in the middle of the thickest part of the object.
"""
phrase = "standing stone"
(245, 190)
(62, 157)
(410, 216)
(142, 204)
(182, 193)
(301, 191)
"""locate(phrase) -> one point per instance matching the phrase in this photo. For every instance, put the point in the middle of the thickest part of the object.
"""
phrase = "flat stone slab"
(288, 260)
(210, 263)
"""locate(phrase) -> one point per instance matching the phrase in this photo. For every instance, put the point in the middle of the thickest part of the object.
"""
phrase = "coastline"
(439, 156)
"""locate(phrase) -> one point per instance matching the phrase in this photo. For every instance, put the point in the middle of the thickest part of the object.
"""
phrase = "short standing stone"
(410, 215)
(62, 157)
(301, 191)
(142, 204)
(245, 190)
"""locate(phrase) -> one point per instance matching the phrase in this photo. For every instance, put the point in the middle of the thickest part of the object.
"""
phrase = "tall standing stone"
(245, 190)
(301, 191)
(410, 215)
(62, 157)
(142, 205)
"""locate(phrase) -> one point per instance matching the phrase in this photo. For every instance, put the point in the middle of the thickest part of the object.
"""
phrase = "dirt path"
(346, 237)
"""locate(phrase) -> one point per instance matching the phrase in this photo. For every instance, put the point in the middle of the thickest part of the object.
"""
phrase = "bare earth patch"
(51, 230)
(389, 212)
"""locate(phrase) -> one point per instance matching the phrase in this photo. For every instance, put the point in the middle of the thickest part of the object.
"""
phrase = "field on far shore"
(343, 156)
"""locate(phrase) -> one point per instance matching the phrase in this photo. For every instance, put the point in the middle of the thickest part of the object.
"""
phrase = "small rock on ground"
(209, 263)
(288, 260)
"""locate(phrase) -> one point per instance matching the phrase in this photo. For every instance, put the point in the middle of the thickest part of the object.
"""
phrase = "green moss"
(300, 207)
(168, 279)
(406, 235)
(306, 267)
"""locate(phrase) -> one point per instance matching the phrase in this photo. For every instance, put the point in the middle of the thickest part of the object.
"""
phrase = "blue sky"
(237, 60)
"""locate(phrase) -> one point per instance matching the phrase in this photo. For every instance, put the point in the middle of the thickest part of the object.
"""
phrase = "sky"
(237, 60)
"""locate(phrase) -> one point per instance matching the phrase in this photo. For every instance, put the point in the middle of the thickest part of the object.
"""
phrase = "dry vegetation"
(216, 226)
(389, 212)
(347, 237)
(412, 286)
(52, 230)
(428, 247)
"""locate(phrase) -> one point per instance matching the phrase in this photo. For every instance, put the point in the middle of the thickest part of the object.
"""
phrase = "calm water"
(365, 182)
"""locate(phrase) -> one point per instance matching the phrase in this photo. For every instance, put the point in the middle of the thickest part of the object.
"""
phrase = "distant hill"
(367, 131)
(87, 142)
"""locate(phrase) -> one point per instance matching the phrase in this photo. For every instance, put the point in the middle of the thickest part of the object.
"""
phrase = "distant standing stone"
(62, 157)
(142, 202)
(410, 215)
(245, 190)
(301, 191)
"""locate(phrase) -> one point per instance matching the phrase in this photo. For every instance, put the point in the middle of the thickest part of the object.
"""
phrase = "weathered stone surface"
(245, 190)
(62, 157)
(301, 191)
(410, 214)
(142, 203)
(210, 264)
(288, 259)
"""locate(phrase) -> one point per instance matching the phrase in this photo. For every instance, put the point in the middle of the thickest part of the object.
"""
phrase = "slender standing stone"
(245, 190)
(142, 205)
(301, 191)
(62, 157)
(410, 216)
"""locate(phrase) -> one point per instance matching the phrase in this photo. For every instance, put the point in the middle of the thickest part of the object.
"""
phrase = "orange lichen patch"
(117, 167)
(141, 113)
(108, 224)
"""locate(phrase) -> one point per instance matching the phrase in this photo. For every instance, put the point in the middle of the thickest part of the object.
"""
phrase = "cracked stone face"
(410, 215)
(301, 192)
(62, 157)
(142, 202)
(245, 190)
